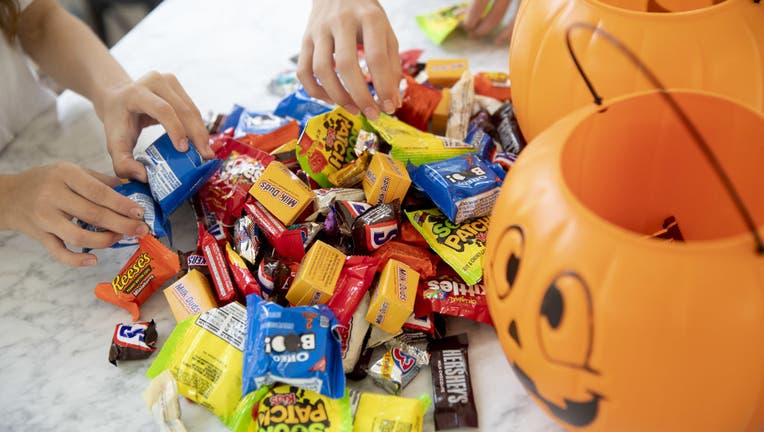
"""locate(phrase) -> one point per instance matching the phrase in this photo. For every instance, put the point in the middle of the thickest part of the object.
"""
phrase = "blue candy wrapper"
(252, 122)
(462, 187)
(298, 346)
(232, 119)
(301, 107)
(174, 176)
(139, 192)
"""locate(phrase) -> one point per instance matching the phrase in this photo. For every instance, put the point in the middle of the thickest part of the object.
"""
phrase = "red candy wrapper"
(409, 61)
(207, 221)
(355, 279)
(151, 265)
(227, 191)
(274, 139)
(448, 294)
(419, 259)
(218, 268)
(241, 274)
(493, 84)
(288, 243)
(419, 102)
(412, 236)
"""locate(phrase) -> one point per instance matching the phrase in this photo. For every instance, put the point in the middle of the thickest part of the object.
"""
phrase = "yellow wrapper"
(386, 180)
(190, 295)
(383, 413)
(204, 353)
(393, 299)
(445, 72)
(461, 246)
(318, 274)
(439, 24)
(327, 144)
(409, 144)
(282, 192)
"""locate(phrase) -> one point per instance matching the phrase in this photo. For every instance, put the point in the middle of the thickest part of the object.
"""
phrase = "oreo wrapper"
(510, 137)
(398, 366)
(463, 187)
(133, 341)
(174, 176)
(375, 227)
(346, 212)
(297, 346)
(452, 387)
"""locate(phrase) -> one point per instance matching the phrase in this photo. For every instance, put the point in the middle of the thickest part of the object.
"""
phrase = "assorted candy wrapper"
(291, 409)
(448, 294)
(159, 226)
(439, 24)
(452, 387)
(327, 144)
(204, 353)
(174, 176)
(150, 266)
(258, 123)
(463, 187)
(462, 246)
(383, 413)
(297, 346)
(133, 341)
(399, 364)
(301, 107)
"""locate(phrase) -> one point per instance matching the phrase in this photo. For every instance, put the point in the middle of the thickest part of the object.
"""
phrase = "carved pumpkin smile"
(574, 413)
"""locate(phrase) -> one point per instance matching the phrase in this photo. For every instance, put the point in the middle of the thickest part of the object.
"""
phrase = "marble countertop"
(54, 333)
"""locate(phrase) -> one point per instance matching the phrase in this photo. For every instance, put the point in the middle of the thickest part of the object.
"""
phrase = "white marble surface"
(54, 334)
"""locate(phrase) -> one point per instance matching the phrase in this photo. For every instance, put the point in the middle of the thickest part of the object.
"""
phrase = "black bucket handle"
(685, 120)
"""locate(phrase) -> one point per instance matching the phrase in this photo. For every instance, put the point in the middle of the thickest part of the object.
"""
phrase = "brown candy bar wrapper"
(452, 389)
(133, 341)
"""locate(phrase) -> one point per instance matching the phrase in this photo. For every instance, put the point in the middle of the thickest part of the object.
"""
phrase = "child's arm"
(70, 54)
(479, 23)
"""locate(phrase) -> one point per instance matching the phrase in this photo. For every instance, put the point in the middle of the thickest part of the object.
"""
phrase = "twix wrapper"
(151, 265)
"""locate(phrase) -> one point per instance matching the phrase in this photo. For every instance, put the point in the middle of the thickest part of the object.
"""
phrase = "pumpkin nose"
(513, 332)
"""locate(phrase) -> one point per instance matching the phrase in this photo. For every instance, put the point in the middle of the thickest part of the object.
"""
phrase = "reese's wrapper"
(134, 341)
(461, 246)
(451, 385)
(151, 265)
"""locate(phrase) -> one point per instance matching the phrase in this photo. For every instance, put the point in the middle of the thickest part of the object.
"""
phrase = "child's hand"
(478, 25)
(42, 201)
(126, 109)
(335, 27)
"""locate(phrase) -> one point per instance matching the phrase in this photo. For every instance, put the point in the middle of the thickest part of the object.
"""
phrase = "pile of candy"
(348, 239)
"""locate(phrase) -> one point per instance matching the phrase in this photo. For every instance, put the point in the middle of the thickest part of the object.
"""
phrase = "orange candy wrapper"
(149, 267)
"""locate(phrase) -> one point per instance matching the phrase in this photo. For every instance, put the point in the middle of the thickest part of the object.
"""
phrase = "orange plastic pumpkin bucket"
(607, 329)
(701, 45)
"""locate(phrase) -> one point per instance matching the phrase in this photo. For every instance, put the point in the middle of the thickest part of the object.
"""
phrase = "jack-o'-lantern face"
(557, 326)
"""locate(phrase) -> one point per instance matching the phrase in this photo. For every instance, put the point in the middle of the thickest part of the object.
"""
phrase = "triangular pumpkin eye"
(513, 265)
